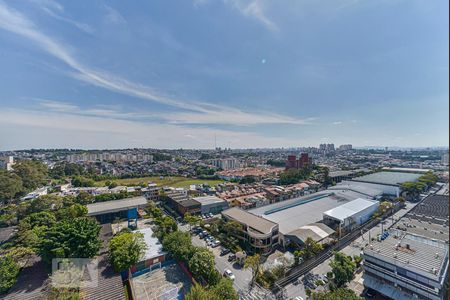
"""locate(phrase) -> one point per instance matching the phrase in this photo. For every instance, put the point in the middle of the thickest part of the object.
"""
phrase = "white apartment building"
(226, 163)
(108, 156)
(6, 163)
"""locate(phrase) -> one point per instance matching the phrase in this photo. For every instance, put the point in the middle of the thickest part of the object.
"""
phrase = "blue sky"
(171, 74)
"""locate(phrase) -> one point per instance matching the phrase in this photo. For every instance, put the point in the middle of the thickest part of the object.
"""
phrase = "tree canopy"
(10, 186)
(71, 238)
(202, 264)
(253, 262)
(9, 270)
(179, 244)
(33, 173)
(126, 249)
(343, 268)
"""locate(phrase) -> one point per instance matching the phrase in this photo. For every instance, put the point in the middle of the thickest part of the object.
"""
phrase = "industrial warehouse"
(315, 216)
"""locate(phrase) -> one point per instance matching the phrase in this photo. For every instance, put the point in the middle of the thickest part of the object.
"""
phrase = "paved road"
(353, 249)
(243, 277)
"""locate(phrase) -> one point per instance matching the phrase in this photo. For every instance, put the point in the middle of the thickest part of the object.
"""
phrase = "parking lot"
(242, 276)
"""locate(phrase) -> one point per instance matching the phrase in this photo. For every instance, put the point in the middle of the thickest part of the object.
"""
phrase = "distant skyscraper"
(444, 159)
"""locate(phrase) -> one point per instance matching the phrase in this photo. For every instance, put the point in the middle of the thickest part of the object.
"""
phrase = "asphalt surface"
(243, 277)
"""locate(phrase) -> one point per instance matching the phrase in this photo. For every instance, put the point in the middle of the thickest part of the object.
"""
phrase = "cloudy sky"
(171, 74)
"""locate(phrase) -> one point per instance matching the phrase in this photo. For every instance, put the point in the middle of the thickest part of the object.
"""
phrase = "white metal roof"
(114, 205)
(154, 247)
(350, 208)
(205, 200)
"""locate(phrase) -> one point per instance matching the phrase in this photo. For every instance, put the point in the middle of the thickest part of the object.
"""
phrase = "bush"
(9, 270)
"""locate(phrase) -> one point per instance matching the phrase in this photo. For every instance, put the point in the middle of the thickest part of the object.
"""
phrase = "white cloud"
(33, 129)
(113, 16)
(253, 9)
(15, 22)
(338, 123)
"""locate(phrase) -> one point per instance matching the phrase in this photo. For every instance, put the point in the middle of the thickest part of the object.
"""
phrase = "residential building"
(6, 163)
(226, 163)
(293, 163)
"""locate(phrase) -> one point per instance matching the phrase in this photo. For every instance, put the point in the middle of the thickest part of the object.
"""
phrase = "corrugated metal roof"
(154, 246)
(114, 205)
(390, 178)
(351, 208)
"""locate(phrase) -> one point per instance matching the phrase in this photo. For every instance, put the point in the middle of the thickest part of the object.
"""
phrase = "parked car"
(215, 244)
(370, 293)
(224, 251)
(298, 298)
(201, 235)
(210, 215)
(229, 274)
(231, 257)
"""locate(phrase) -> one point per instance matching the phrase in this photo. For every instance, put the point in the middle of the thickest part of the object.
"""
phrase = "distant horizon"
(251, 74)
(393, 148)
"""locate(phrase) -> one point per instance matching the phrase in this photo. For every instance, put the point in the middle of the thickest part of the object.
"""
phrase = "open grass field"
(165, 181)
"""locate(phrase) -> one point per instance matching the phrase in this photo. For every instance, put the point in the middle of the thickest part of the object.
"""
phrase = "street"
(243, 277)
(353, 249)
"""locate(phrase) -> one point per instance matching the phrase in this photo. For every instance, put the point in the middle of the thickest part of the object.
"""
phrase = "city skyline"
(252, 74)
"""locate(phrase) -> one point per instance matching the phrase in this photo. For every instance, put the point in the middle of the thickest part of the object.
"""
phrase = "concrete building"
(152, 192)
(153, 257)
(406, 266)
(211, 204)
(444, 159)
(108, 211)
(225, 163)
(179, 201)
(291, 215)
(6, 163)
(338, 176)
(388, 182)
(260, 234)
(293, 163)
(346, 147)
(350, 214)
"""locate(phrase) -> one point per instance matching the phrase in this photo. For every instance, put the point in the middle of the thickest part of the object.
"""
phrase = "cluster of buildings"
(109, 156)
(411, 260)
(258, 173)
(320, 215)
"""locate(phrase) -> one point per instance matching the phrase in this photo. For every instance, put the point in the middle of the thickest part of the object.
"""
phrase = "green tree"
(224, 290)
(45, 203)
(10, 186)
(84, 198)
(179, 244)
(337, 294)
(9, 270)
(71, 238)
(357, 259)
(73, 211)
(191, 220)
(43, 218)
(202, 264)
(198, 292)
(253, 262)
(343, 268)
(126, 249)
(312, 248)
(32, 173)
(79, 181)
(165, 225)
